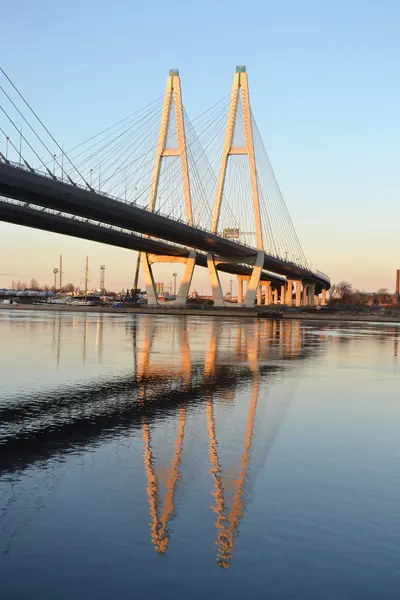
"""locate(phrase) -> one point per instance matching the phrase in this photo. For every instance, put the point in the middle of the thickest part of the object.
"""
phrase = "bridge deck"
(51, 193)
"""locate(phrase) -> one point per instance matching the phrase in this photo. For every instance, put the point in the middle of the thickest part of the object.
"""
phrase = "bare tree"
(383, 296)
(33, 284)
(69, 288)
(345, 290)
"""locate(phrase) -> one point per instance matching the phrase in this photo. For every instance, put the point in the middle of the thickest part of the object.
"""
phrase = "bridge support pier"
(254, 281)
(311, 294)
(186, 281)
(152, 296)
(217, 292)
(149, 259)
(289, 293)
(305, 294)
(283, 292)
(267, 293)
(253, 290)
(259, 295)
(240, 289)
(298, 293)
(323, 297)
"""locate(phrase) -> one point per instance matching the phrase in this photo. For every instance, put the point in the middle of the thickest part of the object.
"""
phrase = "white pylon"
(240, 84)
(173, 95)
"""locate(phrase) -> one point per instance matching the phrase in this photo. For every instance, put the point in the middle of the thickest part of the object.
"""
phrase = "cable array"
(237, 211)
(119, 161)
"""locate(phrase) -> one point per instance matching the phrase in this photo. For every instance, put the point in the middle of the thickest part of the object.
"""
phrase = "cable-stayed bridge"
(199, 192)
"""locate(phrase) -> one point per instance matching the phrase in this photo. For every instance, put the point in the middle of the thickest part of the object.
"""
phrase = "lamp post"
(174, 275)
(102, 278)
(230, 287)
(55, 271)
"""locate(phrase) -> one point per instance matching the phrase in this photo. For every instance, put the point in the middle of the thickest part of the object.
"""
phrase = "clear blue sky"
(325, 89)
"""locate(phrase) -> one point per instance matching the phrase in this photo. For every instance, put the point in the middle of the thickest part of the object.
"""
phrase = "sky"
(324, 88)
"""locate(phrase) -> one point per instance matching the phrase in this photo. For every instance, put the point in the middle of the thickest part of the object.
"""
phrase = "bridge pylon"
(239, 94)
(172, 107)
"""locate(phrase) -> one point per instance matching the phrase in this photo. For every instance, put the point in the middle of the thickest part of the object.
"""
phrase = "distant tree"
(360, 298)
(33, 284)
(69, 288)
(345, 290)
(341, 292)
(383, 296)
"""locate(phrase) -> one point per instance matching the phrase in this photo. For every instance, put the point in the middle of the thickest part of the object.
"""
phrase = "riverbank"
(211, 311)
(204, 311)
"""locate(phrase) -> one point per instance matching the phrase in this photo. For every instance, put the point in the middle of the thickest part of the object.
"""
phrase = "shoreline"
(210, 311)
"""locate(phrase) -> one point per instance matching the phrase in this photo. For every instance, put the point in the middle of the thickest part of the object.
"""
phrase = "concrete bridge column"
(305, 294)
(152, 296)
(323, 297)
(275, 296)
(186, 279)
(311, 294)
(298, 293)
(267, 288)
(316, 300)
(289, 293)
(240, 289)
(218, 295)
(283, 292)
(254, 280)
(259, 295)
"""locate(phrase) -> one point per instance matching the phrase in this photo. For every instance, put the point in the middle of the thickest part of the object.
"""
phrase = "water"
(147, 457)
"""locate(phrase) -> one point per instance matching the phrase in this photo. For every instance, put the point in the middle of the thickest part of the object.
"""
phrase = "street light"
(174, 275)
(230, 287)
(102, 278)
(55, 271)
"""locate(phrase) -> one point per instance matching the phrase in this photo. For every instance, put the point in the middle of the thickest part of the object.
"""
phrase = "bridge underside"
(45, 221)
(36, 189)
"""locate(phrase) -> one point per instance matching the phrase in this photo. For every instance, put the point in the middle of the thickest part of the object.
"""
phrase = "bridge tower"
(239, 94)
(172, 107)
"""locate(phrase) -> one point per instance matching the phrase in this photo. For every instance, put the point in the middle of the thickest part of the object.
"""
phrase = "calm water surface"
(148, 457)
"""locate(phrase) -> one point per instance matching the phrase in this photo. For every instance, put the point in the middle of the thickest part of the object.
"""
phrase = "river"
(152, 456)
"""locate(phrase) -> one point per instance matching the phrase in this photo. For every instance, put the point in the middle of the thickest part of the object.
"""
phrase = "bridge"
(149, 183)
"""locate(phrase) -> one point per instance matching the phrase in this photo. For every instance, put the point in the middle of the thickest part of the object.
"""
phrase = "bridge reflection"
(251, 346)
(181, 372)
